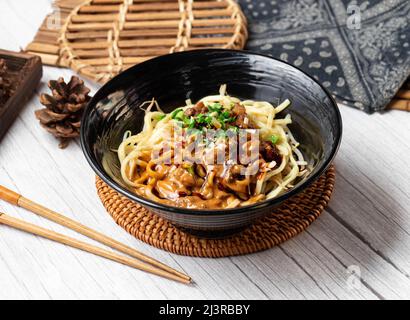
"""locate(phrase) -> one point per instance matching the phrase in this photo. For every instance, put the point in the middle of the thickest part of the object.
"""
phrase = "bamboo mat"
(401, 100)
(285, 222)
(100, 38)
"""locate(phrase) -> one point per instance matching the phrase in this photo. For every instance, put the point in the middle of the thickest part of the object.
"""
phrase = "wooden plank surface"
(358, 249)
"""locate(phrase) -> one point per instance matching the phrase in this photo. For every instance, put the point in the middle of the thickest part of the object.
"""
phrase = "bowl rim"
(192, 211)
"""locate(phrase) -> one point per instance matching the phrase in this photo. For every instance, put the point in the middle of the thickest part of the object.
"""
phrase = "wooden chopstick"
(18, 200)
(58, 237)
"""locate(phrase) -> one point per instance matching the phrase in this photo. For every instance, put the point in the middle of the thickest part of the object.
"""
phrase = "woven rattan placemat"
(291, 218)
(100, 38)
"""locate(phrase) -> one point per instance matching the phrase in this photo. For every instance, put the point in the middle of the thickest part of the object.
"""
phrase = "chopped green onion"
(274, 139)
(189, 122)
(225, 117)
(191, 170)
(161, 116)
(204, 119)
(216, 107)
(231, 119)
(175, 112)
(180, 115)
(200, 118)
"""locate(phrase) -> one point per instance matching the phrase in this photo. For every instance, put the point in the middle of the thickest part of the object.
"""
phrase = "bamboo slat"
(404, 94)
(150, 33)
(400, 104)
(97, 9)
(146, 43)
(90, 45)
(207, 4)
(212, 22)
(135, 52)
(153, 16)
(152, 24)
(86, 35)
(50, 59)
(46, 48)
(95, 18)
(91, 26)
(91, 53)
(402, 99)
(154, 6)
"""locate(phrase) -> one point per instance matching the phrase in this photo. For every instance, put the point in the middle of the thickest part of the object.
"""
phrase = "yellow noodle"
(138, 166)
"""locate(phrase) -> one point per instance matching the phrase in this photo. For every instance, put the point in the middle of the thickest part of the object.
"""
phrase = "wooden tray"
(100, 38)
(25, 72)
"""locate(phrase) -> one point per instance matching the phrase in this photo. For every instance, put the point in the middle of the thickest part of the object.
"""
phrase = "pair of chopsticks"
(144, 262)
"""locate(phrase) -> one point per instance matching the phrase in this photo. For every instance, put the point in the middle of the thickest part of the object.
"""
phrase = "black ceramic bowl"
(172, 79)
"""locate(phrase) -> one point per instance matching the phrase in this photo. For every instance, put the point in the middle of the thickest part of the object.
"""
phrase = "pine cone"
(64, 109)
(5, 84)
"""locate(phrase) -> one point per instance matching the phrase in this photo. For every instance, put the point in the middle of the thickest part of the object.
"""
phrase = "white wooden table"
(358, 249)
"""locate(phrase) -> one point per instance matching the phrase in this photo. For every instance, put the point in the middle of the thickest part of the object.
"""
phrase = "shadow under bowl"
(173, 78)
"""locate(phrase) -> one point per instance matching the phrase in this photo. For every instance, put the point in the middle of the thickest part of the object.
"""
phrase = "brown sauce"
(181, 188)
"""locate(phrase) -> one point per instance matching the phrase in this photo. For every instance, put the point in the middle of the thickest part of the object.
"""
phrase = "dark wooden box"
(25, 71)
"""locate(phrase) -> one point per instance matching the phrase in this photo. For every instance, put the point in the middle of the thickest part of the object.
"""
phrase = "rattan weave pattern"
(291, 218)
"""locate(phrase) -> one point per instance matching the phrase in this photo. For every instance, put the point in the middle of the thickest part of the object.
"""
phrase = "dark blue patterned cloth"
(359, 50)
